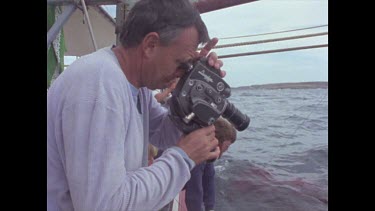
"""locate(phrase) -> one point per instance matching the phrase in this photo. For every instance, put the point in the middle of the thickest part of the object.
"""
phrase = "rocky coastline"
(298, 85)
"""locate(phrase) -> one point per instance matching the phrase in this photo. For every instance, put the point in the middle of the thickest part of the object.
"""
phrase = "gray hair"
(166, 17)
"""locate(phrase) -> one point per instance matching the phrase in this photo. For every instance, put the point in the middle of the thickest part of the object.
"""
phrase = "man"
(101, 116)
(200, 189)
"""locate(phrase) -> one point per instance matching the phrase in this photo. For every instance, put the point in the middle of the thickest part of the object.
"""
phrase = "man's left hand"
(212, 57)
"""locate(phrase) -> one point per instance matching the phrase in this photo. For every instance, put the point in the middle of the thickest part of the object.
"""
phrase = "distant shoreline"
(298, 85)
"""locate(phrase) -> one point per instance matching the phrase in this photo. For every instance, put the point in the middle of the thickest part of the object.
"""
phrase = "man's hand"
(212, 57)
(199, 144)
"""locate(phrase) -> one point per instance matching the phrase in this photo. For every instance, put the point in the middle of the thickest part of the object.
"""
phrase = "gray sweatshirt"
(97, 142)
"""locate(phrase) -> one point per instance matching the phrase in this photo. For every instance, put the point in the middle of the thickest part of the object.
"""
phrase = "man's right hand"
(198, 145)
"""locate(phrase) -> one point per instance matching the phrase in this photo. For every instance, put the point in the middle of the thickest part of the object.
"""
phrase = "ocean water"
(280, 162)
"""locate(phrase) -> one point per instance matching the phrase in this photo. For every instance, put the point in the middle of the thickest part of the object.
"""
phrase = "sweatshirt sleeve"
(95, 168)
(163, 132)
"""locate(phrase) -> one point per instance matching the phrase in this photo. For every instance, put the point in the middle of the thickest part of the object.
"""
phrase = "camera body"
(200, 98)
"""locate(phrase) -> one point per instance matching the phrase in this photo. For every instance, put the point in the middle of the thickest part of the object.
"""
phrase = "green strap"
(52, 61)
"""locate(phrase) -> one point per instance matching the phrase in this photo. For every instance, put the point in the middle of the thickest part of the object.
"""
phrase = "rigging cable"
(271, 51)
(270, 40)
(253, 35)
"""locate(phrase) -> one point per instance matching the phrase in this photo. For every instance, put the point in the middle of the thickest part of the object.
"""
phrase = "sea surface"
(280, 162)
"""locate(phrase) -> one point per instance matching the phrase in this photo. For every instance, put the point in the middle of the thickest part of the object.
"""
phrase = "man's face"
(165, 67)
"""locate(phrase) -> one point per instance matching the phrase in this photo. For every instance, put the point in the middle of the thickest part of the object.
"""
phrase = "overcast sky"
(267, 16)
(271, 16)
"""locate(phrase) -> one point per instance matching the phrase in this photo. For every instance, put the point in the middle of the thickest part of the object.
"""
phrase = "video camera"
(200, 98)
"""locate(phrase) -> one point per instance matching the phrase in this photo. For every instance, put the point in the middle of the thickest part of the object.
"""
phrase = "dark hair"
(224, 130)
(166, 17)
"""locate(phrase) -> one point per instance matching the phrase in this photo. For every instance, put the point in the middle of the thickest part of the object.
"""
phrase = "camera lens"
(239, 120)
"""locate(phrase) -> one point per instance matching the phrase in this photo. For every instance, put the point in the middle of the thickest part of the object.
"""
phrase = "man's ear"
(149, 44)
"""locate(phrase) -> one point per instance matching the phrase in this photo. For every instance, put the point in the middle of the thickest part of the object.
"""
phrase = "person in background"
(165, 94)
(200, 189)
(152, 152)
(101, 115)
(225, 133)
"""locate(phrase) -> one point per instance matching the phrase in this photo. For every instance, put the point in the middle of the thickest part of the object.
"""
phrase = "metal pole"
(59, 2)
(88, 2)
(54, 30)
(211, 5)
(120, 19)
(89, 24)
(122, 10)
